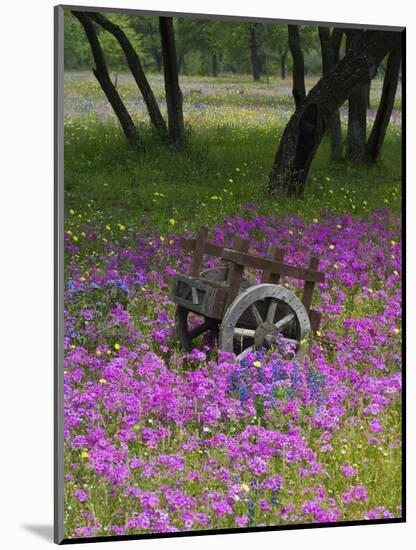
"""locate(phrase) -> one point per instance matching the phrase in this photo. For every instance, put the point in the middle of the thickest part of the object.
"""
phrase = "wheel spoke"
(244, 332)
(285, 321)
(256, 314)
(271, 312)
(245, 352)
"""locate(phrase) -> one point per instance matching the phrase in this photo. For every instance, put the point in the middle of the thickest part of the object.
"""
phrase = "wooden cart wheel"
(217, 274)
(189, 325)
(258, 315)
(188, 329)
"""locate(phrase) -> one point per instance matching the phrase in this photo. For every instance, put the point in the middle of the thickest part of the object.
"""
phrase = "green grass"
(213, 176)
(231, 143)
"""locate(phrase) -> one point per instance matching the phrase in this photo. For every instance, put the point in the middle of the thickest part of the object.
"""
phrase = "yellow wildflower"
(257, 363)
(245, 487)
(172, 221)
(117, 346)
(84, 454)
(331, 247)
(103, 381)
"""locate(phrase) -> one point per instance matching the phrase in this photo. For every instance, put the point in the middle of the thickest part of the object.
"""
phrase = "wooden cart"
(244, 316)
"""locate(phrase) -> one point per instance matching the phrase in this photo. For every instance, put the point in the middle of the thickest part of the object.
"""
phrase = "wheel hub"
(265, 335)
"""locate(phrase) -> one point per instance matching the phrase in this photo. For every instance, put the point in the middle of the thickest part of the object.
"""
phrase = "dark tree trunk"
(214, 65)
(357, 108)
(336, 39)
(283, 65)
(385, 109)
(172, 89)
(136, 69)
(304, 130)
(103, 77)
(298, 90)
(334, 122)
(255, 67)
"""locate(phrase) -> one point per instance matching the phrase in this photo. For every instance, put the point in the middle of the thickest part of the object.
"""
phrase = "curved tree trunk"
(357, 109)
(172, 89)
(385, 109)
(334, 124)
(304, 130)
(336, 39)
(136, 69)
(103, 77)
(255, 67)
(298, 90)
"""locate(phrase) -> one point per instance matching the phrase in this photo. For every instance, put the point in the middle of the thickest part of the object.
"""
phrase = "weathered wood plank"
(198, 255)
(273, 253)
(210, 249)
(315, 318)
(260, 262)
(309, 286)
(236, 270)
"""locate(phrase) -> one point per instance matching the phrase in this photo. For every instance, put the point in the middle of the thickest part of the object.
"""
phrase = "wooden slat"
(236, 271)
(209, 248)
(273, 253)
(315, 318)
(309, 286)
(259, 262)
(198, 255)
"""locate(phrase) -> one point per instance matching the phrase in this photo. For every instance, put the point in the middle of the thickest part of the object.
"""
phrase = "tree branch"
(101, 74)
(136, 68)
